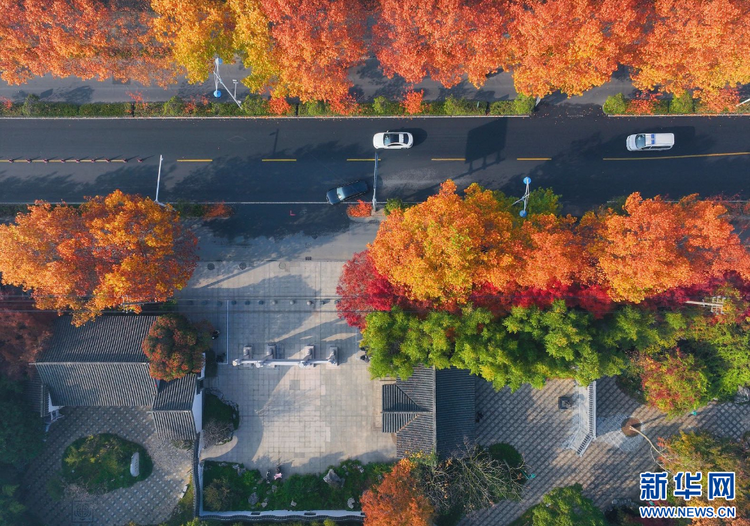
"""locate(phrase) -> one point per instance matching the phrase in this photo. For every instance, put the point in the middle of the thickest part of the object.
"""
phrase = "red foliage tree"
(23, 333)
(363, 290)
(84, 38)
(397, 500)
(175, 347)
(440, 39)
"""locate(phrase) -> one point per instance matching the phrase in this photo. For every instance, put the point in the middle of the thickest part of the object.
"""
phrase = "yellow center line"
(371, 160)
(449, 159)
(5, 160)
(674, 156)
(194, 160)
(56, 161)
(37, 161)
(533, 158)
(86, 161)
(279, 160)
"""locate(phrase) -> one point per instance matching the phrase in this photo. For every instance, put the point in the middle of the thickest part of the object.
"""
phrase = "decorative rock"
(135, 469)
(333, 480)
(293, 504)
(253, 499)
(274, 488)
(350, 503)
(264, 503)
(360, 468)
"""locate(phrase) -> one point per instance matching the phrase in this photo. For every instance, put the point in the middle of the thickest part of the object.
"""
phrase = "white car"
(647, 142)
(393, 140)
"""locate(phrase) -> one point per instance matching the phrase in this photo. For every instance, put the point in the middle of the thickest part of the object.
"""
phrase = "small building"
(102, 364)
(432, 410)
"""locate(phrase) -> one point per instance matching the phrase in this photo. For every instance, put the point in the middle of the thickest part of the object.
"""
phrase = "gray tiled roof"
(175, 425)
(98, 384)
(398, 409)
(455, 418)
(431, 410)
(176, 395)
(110, 338)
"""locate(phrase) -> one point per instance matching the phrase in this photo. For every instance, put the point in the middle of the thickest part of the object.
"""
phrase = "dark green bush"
(394, 203)
(503, 107)
(148, 109)
(226, 109)
(187, 209)
(255, 105)
(505, 453)
(215, 409)
(30, 106)
(454, 106)
(314, 109)
(174, 107)
(524, 104)
(101, 463)
(615, 105)
(682, 104)
(105, 109)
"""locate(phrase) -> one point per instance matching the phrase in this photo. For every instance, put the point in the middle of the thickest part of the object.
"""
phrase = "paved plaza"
(530, 420)
(302, 418)
(150, 501)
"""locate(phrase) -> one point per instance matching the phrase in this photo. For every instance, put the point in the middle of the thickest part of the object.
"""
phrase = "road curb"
(272, 117)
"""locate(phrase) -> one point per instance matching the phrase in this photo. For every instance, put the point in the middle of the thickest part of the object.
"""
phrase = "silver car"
(648, 142)
(392, 140)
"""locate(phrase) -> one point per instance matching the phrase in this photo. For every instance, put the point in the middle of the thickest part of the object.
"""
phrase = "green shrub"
(454, 106)
(682, 104)
(394, 203)
(255, 105)
(105, 109)
(226, 109)
(30, 105)
(615, 105)
(314, 108)
(188, 209)
(10, 109)
(524, 104)
(148, 109)
(174, 107)
(380, 106)
(215, 409)
(503, 107)
(101, 463)
(505, 453)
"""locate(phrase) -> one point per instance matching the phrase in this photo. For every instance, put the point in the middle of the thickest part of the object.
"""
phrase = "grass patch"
(215, 409)
(101, 463)
(226, 490)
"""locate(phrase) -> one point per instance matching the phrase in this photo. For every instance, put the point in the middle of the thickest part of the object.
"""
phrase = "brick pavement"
(530, 421)
(147, 502)
(304, 419)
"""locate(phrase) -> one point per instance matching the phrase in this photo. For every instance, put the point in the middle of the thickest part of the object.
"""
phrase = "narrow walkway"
(531, 421)
(147, 502)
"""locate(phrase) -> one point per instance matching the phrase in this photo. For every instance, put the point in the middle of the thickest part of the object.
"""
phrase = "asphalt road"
(295, 161)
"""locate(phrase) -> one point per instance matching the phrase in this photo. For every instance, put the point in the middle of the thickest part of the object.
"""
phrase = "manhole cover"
(81, 512)
(211, 266)
(282, 265)
(243, 265)
(631, 426)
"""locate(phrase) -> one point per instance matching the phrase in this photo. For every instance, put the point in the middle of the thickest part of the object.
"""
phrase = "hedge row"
(685, 104)
(253, 105)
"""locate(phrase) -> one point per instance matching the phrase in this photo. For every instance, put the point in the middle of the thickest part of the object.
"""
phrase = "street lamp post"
(158, 180)
(525, 198)
(217, 81)
(375, 185)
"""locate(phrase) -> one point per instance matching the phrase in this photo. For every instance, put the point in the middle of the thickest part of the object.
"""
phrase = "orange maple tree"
(195, 32)
(569, 45)
(23, 332)
(397, 500)
(438, 250)
(84, 38)
(315, 43)
(114, 251)
(694, 44)
(658, 245)
(440, 39)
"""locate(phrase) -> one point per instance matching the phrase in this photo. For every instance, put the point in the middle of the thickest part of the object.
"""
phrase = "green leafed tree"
(567, 507)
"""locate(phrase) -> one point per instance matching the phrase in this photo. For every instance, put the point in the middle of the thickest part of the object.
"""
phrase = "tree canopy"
(117, 251)
(174, 347)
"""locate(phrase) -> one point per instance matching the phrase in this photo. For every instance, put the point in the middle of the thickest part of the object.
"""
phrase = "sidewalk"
(368, 81)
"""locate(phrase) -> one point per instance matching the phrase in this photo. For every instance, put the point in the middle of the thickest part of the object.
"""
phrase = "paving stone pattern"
(531, 421)
(147, 502)
(304, 419)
